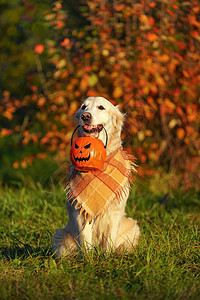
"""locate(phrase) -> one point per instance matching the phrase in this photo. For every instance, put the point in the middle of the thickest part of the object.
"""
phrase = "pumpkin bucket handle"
(105, 146)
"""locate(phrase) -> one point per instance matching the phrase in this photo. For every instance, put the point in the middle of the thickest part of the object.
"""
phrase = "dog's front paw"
(63, 243)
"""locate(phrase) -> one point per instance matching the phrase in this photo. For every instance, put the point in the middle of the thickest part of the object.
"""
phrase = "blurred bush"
(25, 165)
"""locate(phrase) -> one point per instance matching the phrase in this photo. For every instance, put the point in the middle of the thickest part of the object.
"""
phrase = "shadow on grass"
(15, 252)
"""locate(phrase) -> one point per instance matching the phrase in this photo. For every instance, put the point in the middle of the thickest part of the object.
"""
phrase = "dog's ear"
(117, 118)
(77, 114)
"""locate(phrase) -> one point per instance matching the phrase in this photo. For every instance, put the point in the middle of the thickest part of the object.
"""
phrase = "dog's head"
(97, 113)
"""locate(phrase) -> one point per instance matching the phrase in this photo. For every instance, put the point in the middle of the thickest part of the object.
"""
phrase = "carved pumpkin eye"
(76, 146)
(87, 146)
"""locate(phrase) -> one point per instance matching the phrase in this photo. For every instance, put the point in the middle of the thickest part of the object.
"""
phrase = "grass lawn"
(165, 265)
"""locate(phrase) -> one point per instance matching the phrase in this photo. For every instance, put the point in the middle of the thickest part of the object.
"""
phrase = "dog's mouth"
(92, 128)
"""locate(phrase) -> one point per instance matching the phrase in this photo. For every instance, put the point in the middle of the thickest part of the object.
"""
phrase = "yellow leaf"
(105, 52)
(141, 136)
(93, 79)
(173, 123)
(117, 93)
(160, 81)
(153, 155)
(61, 64)
(169, 104)
(163, 58)
(144, 19)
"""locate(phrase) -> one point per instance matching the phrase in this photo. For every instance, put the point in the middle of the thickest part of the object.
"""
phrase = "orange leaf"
(190, 130)
(23, 164)
(84, 83)
(39, 49)
(160, 81)
(196, 9)
(62, 146)
(180, 133)
(8, 115)
(154, 146)
(65, 43)
(41, 101)
(194, 34)
(59, 24)
(163, 58)
(152, 4)
(148, 21)
(16, 165)
(172, 65)
(34, 88)
(117, 93)
(26, 133)
(58, 6)
(148, 132)
(193, 21)
(191, 113)
(151, 21)
(186, 74)
(144, 19)
(180, 111)
(34, 138)
(153, 88)
(44, 140)
(41, 155)
(6, 132)
(151, 37)
(119, 7)
(149, 115)
(169, 104)
(143, 158)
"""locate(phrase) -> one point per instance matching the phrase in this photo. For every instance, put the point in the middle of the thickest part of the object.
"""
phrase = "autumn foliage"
(143, 56)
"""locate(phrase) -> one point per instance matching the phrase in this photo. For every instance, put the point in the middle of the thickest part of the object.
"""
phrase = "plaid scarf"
(93, 191)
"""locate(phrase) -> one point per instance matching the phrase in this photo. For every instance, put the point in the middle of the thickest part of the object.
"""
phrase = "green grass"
(165, 265)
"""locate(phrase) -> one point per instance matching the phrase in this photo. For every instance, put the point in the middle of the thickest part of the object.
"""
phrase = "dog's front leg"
(114, 217)
(106, 227)
(68, 239)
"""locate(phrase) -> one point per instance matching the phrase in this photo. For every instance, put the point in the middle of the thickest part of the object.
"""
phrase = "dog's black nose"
(86, 116)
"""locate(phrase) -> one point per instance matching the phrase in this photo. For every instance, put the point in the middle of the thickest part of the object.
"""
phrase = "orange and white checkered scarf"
(93, 191)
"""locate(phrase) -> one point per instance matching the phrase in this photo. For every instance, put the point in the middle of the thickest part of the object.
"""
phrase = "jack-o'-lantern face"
(87, 153)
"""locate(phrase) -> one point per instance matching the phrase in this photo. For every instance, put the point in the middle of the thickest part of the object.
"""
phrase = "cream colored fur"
(112, 230)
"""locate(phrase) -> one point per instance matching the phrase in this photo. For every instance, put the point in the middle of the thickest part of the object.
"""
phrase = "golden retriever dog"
(111, 230)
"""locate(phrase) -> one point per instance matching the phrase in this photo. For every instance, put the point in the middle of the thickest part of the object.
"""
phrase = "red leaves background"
(143, 56)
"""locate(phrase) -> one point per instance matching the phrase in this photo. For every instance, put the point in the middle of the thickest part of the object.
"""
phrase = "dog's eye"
(76, 146)
(83, 107)
(101, 107)
(87, 146)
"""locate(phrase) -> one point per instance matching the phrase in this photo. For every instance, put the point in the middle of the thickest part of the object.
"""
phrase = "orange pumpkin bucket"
(88, 153)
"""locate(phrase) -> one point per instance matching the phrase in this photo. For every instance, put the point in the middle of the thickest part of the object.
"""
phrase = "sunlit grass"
(165, 265)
